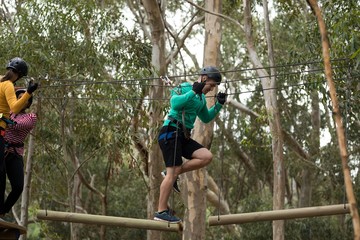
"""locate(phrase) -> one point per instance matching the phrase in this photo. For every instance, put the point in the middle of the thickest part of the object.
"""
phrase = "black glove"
(32, 87)
(198, 87)
(221, 97)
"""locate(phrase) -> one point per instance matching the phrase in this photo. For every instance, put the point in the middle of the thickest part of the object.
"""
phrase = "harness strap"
(8, 121)
(17, 145)
(185, 130)
(13, 146)
(166, 135)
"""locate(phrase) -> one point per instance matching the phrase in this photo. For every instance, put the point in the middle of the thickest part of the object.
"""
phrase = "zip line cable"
(131, 82)
(166, 99)
(226, 71)
(136, 82)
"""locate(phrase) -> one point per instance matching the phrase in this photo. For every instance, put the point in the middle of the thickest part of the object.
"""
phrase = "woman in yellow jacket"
(16, 69)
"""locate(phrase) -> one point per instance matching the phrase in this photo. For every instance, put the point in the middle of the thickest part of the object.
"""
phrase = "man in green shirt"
(187, 102)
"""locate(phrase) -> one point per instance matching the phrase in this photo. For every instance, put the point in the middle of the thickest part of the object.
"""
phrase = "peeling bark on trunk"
(158, 61)
(195, 192)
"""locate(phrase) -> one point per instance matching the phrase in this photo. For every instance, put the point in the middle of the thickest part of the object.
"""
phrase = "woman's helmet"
(212, 72)
(19, 66)
(20, 91)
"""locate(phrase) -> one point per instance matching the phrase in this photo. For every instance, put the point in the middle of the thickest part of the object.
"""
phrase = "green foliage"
(95, 74)
(299, 77)
(316, 229)
(84, 59)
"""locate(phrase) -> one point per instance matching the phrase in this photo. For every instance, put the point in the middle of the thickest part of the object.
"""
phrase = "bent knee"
(206, 157)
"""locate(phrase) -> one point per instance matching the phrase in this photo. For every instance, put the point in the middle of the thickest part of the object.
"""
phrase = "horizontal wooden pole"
(279, 214)
(108, 220)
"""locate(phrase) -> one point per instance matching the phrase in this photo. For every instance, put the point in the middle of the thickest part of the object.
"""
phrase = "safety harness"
(179, 125)
(7, 121)
(171, 134)
(2, 133)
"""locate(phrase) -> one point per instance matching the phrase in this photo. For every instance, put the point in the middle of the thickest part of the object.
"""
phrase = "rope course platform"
(279, 214)
(108, 220)
(10, 230)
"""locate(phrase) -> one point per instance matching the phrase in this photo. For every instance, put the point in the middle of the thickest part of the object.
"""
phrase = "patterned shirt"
(16, 134)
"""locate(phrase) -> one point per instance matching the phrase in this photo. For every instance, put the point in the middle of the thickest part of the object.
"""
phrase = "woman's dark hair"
(15, 65)
(8, 75)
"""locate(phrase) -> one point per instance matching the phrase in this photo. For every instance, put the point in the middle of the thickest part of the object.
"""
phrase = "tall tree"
(158, 61)
(269, 84)
(338, 119)
(195, 193)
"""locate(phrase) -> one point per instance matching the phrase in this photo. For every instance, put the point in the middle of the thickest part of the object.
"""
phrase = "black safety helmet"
(20, 91)
(19, 66)
(212, 72)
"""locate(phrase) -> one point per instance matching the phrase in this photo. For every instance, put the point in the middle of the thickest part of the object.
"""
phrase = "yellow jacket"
(8, 101)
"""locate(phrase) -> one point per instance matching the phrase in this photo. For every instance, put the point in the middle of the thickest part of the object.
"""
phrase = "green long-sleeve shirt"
(184, 99)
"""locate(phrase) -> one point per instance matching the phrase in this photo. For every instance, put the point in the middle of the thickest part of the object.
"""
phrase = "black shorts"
(184, 147)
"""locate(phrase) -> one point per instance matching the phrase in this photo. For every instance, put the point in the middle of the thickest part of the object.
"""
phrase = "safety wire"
(132, 80)
(233, 93)
(222, 155)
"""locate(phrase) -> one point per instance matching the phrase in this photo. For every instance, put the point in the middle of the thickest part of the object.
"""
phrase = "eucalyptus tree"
(299, 45)
(157, 22)
(94, 109)
(85, 60)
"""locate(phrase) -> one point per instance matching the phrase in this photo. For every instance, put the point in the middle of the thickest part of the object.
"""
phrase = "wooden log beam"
(279, 214)
(11, 230)
(108, 220)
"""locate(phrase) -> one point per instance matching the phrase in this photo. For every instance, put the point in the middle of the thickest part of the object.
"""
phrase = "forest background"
(101, 104)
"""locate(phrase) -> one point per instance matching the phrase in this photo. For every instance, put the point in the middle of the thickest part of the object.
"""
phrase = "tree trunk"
(75, 198)
(67, 159)
(308, 172)
(212, 196)
(272, 110)
(158, 61)
(25, 198)
(338, 119)
(194, 193)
